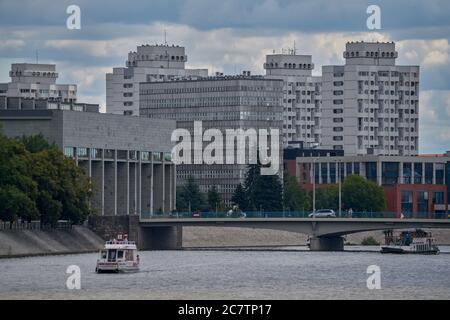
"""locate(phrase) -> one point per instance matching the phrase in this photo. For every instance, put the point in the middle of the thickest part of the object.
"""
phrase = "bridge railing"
(286, 214)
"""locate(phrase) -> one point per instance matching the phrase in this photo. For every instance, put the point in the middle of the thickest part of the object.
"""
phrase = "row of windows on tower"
(376, 54)
(305, 66)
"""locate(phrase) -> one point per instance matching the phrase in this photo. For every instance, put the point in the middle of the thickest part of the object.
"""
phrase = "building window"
(132, 154)
(96, 153)
(324, 172)
(167, 156)
(356, 168)
(389, 173)
(428, 173)
(156, 156)
(338, 138)
(349, 168)
(82, 152)
(407, 203)
(109, 154)
(439, 173)
(407, 173)
(332, 172)
(145, 156)
(69, 152)
(422, 203)
(438, 197)
(371, 171)
(418, 173)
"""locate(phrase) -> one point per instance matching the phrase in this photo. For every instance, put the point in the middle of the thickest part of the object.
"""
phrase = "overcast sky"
(231, 36)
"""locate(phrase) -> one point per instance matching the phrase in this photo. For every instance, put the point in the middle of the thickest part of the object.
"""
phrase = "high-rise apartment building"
(301, 97)
(37, 81)
(370, 105)
(148, 63)
(224, 102)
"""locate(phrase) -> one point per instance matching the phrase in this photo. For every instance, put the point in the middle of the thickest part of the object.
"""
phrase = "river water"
(282, 273)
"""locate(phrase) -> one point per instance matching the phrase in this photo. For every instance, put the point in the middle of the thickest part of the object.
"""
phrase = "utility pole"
(314, 184)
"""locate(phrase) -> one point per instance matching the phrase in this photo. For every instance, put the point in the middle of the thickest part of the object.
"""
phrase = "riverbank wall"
(21, 243)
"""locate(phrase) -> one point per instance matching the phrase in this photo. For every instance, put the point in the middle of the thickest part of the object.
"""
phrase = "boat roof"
(120, 245)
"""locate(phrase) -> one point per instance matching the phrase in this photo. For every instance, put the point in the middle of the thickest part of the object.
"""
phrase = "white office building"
(37, 81)
(149, 63)
(370, 105)
(301, 98)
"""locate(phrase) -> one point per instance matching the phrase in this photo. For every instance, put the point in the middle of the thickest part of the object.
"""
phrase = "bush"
(370, 241)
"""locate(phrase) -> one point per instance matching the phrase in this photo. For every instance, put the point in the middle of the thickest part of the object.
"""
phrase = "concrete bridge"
(325, 233)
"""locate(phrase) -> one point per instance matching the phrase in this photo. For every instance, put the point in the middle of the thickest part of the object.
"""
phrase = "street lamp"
(338, 168)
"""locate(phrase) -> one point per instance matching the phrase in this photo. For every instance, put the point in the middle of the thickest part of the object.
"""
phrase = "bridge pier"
(326, 244)
(147, 238)
(160, 238)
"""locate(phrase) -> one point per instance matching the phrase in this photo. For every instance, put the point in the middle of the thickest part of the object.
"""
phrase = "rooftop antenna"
(295, 50)
(165, 37)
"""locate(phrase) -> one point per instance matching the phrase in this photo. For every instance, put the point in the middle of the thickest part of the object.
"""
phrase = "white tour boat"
(418, 241)
(118, 255)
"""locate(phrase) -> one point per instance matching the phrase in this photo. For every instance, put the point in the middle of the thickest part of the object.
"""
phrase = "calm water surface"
(271, 274)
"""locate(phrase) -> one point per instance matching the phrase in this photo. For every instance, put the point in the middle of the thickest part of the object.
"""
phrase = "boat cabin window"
(112, 255)
(120, 254)
(103, 254)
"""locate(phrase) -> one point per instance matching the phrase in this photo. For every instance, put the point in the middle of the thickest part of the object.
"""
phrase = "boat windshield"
(112, 255)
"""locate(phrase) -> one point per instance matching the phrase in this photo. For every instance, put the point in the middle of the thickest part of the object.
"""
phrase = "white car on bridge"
(323, 213)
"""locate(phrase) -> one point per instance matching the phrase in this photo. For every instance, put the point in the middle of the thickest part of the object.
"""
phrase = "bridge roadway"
(325, 233)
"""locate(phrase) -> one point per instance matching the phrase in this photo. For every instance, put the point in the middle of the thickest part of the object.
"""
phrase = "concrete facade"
(147, 63)
(127, 158)
(224, 102)
(302, 100)
(370, 105)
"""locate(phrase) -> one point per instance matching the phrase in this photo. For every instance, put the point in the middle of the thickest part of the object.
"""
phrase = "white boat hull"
(116, 267)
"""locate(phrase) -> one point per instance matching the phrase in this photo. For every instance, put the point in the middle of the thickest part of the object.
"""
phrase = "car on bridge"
(323, 213)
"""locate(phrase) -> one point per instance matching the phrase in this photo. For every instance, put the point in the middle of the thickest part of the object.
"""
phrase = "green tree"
(360, 194)
(251, 179)
(14, 204)
(35, 143)
(189, 196)
(214, 199)
(268, 193)
(18, 191)
(295, 198)
(240, 197)
(262, 191)
(64, 189)
(38, 181)
(327, 197)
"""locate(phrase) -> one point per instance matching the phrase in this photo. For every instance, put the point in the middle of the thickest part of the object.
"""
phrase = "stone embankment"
(20, 243)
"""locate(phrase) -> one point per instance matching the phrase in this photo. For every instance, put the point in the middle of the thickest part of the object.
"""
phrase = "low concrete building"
(417, 186)
(37, 80)
(127, 158)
